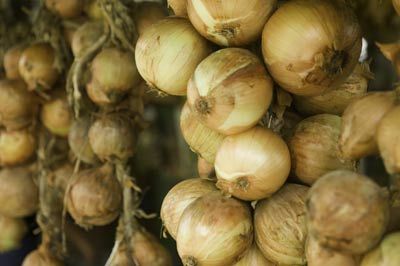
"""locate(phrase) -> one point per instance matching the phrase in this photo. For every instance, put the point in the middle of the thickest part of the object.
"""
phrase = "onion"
(347, 212)
(200, 138)
(37, 66)
(65, 8)
(230, 91)
(56, 115)
(386, 254)
(204, 168)
(85, 36)
(12, 232)
(114, 74)
(280, 225)
(179, 198)
(94, 197)
(214, 230)
(167, 54)
(229, 24)
(18, 107)
(252, 165)
(16, 147)
(79, 142)
(18, 193)
(311, 46)
(254, 257)
(314, 148)
(396, 5)
(113, 136)
(41, 257)
(146, 14)
(360, 121)
(179, 7)
(93, 10)
(10, 61)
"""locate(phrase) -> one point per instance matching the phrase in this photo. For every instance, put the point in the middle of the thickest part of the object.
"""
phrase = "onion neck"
(203, 105)
(189, 261)
(333, 62)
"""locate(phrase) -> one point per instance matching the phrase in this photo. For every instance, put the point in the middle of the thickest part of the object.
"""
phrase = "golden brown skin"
(10, 61)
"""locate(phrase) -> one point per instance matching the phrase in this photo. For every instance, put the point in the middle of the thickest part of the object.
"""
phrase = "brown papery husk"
(94, 197)
(18, 192)
(280, 225)
(335, 101)
(146, 14)
(214, 230)
(12, 232)
(230, 91)
(65, 8)
(85, 36)
(16, 147)
(79, 142)
(18, 107)
(10, 61)
(354, 202)
(204, 168)
(178, 7)
(254, 257)
(360, 121)
(179, 198)
(387, 253)
(41, 257)
(311, 46)
(314, 148)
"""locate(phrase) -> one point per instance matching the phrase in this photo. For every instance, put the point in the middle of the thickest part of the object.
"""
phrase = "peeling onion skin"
(252, 165)
(214, 230)
(280, 225)
(228, 24)
(179, 198)
(311, 46)
(386, 254)
(254, 257)
(65, 8)
(16, 147)
(12, 232)
(146, 14)
(78, 140)
(354, 202)
(10, 61)
(179, 7)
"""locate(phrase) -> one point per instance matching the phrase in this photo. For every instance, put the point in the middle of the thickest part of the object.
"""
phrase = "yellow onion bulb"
(18, 192)
(113, 136)
(388, 139)
(146, 14)
(41, 257)
(336, 100)
(56, 115)
(179, 7)
(167, 54)
(201, 139)
(386, 254)
(10, 61)
(18, 107)
(229, 24)
(214, 230)
(12, 232)
(204, 168)
(311, 46)
(230, 91)
(94, 197)
(179, 198)
(37, 66)
(79, 142)
(280, 225)
(65, 8)
(252, 165)
(93, 10)
(16, 147)
(347, 212)
(314, 148)
(396, 5)
(85, 36)
(253, 257)
(360, 121)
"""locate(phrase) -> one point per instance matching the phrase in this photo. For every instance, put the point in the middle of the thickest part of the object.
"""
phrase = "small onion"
(146, 14)
(85, 36)
(254, 257)
(18, 193)
(41, 257)
(66, 8)
(314, 148)
(311, 46)
(230, 24)
(335, 101)
(347, 212)
(179, 7)
(12, 232)
(167, 54)
(10, 61)
(93, 10)
(94, 197)
(18, 107)
(56, 115)
(16, 147)
(360, 121)
(199, 137)
(252, 165)
(204, 168)
(79, 142)
(37, 66)
(179, 198)
(230, 90)
(113, 136)
(396, 5)
(214, 230)
(280, 225)
(386, 254)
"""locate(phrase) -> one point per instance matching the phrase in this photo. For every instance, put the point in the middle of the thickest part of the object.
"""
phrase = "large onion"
(85, 36)
(254, 257)
(386, 254)
(214, 230)
(146, 14)
(10, 61)
(12, 231)
(311, 46)
(230, 90)
(79, 142)
(56, 115)
(16, 147)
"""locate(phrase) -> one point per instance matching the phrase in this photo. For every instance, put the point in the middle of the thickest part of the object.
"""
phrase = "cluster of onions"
(387, 253)
(12, 231)
(56, 115)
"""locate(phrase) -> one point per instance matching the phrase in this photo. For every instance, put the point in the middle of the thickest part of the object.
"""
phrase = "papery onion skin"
(18, 193)
(79, 142)
(200, 138)
(56, 115)
(280, 225)
(228, 24)
(360, 121)
(179, 7)
(10, 61)
(85, 36)
(252, 165)
(16, 147)
(167, 54)
(386, 254)
(354, 202)
(230, 90)
(311, 46)
(146, 14)
(41, 257)
(179, 198)
(214, 230)
(254, 257)
(314, 148)
(12, 232)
